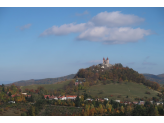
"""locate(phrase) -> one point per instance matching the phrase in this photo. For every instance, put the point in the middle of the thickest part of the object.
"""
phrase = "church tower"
(104, 61)
(107, 61)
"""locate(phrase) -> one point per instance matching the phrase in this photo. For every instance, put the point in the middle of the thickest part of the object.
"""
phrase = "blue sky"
(37, 43)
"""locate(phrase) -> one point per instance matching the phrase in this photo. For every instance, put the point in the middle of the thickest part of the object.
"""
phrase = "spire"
(107, 58)
(103, 58)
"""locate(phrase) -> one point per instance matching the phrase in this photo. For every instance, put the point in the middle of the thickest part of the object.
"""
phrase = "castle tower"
(107, 61)
(104, 61)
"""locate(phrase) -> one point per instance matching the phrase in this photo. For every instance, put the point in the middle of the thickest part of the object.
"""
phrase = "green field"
(47, 86)
(130, 89)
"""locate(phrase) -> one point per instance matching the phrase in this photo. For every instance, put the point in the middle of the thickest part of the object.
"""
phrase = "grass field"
(130, 89)
(47, 86)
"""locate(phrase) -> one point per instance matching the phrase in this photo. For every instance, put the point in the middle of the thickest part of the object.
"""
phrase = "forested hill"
(43, 81)
(158, 78)
(117, 73)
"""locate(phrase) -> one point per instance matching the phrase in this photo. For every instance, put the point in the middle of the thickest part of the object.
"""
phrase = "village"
(73, 97)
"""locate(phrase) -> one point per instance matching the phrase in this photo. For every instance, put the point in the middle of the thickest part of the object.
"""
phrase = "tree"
(10, 94)
(77, 101)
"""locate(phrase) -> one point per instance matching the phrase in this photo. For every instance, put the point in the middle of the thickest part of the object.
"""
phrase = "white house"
(106, 99)
(141, 102)
(117, 101)
(62, 98)
(151, 102)
(71, 97)
(158, 103)
(24, 93)
(89, 99)
(11, 102)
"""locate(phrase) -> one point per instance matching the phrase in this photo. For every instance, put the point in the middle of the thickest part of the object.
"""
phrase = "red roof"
(45, 96)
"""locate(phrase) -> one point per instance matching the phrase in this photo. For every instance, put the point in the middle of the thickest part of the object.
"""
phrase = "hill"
(43, 81)
(158, 78)
(121, 91)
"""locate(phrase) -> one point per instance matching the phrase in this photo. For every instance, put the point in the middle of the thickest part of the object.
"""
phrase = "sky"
(37, 43)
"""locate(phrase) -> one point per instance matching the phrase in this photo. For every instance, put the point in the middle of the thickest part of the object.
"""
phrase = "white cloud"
(105, 27)
(113, 35)
(64, 29)
(25, 26)
(81, 14)
(115, 19)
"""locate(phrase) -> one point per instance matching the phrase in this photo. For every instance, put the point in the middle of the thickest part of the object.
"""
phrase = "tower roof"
(103, 58)
(107, 58)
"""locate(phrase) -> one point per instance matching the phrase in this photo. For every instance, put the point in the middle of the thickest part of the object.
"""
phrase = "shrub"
(101, 92)
(147, 92)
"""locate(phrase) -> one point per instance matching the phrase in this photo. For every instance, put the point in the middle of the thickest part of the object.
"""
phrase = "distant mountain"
(158, 78)
(42, 81)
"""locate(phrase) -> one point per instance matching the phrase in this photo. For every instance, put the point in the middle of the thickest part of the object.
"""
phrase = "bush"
(23, 114)
(101, 92)
(147, 92)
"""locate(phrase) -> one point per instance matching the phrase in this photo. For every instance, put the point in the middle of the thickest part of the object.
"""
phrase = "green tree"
(77, 101)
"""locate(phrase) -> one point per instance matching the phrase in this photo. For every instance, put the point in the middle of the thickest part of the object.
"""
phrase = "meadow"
(122, 91)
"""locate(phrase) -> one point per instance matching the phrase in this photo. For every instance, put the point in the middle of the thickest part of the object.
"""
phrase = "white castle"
(105, 63)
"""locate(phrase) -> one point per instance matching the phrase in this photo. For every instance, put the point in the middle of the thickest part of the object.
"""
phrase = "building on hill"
(79, 81)
(105, 64)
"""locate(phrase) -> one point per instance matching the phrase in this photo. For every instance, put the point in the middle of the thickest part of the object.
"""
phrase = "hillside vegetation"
(117, 73)
(55, 86)
(158, 78)
(43, 81)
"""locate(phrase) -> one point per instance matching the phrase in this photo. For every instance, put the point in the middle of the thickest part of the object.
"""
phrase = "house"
(24, 93)
(101, 100)
(11, 102)
(106, 99)
(89, 99)
(71, 97)
(53, 97)
(62, 98)
(151, 102)
(158, 103)
(141, 102)
(45, 96)
(117, 101)
(135, 102)
(127, 102)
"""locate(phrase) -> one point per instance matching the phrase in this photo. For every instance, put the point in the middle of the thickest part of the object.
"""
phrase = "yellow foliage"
(109, 109)
(118, 111)
(105, 110)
